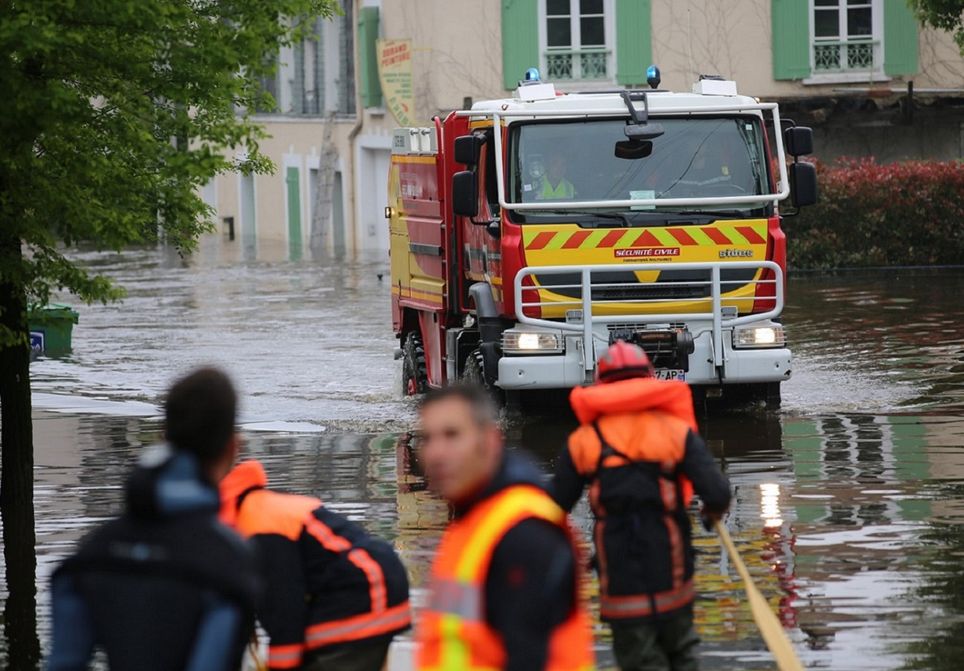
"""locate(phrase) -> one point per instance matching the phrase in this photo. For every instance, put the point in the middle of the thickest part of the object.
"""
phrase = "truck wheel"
(474, 373)
(770, 395)
(766, 394)
(414, 372)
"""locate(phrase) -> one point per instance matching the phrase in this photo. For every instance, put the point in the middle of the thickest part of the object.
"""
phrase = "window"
(315, 77)
(577, 38)
(846, 37)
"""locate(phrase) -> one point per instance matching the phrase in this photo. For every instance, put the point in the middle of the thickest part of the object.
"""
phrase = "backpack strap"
(606, 449)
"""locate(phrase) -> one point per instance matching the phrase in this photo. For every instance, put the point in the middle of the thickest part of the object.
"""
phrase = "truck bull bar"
(714, 302)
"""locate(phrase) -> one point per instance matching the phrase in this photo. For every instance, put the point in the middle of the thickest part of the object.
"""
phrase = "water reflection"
(877, 341)
(20, 646)
(848, 523)
(848, 505)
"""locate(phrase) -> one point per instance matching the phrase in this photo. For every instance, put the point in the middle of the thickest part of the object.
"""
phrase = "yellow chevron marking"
(594, 239)
(664, 236)
(697, 234)
(558, 241)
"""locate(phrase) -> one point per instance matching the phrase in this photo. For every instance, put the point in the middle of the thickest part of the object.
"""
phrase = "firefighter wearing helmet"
(638, 451)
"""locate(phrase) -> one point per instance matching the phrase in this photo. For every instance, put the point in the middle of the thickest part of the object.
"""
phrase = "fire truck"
(529, 233)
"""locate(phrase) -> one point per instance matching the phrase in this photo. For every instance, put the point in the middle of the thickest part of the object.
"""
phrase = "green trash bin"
(51, 327)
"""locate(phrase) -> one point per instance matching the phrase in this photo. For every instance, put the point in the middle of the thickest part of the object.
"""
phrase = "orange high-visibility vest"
(641, 420)
(627, 403)
(453, 634)
(325, 547)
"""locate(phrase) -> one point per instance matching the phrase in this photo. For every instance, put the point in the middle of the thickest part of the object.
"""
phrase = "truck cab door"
(482, 245)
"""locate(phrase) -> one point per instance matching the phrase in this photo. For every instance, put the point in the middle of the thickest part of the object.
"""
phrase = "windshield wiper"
(711, 213)
(589, 213)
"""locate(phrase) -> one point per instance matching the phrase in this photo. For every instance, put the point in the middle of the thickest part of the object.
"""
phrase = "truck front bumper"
(560, 371)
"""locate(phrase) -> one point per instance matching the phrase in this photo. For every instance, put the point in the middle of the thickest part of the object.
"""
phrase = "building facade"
(863, 72)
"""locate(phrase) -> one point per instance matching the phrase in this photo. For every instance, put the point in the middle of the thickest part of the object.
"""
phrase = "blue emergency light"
(652, 76)
(532, 75)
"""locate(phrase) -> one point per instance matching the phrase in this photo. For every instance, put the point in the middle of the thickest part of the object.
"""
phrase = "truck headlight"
(758, 336)
(532, 342)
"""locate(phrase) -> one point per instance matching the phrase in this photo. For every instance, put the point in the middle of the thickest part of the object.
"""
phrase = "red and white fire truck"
(529, 233)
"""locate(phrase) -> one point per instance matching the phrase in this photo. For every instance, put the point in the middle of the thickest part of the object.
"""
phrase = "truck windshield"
(694, 158)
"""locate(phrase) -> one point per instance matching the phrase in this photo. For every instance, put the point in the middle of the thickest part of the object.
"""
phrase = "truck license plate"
(670, 374)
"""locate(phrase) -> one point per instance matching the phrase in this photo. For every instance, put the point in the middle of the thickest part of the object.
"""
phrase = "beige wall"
(457, 50)
(941, 63)
(291, 142)
(733, 39)
(458, 54)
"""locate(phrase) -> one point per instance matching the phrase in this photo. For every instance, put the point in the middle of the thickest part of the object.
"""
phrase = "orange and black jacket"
(327, 581)
(638, 451)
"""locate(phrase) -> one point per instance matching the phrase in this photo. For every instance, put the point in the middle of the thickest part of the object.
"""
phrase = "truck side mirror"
(468, 148)
(465, 193)
(803, 184)
(798, 140)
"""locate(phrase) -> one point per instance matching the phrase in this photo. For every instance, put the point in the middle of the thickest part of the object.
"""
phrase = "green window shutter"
(791, 38)
(900, 38)
(634, 41)
(520, 39)
(293, 184)
(371, 89)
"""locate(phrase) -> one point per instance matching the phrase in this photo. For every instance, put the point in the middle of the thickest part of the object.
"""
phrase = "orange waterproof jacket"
(646, 418)
(637, 450)
(453, 634)
(327, 581)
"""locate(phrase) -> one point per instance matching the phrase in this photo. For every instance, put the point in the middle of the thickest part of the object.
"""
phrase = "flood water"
(849, 501)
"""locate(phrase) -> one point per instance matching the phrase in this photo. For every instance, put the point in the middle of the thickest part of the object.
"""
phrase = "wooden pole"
(771, 629)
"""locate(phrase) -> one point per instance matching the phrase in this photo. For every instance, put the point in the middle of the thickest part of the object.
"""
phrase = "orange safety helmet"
(623, 360)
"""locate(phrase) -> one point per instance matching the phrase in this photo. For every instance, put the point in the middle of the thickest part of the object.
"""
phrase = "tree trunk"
(16, 463)
(321, 221)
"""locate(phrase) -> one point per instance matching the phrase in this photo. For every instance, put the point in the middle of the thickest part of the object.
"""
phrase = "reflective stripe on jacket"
(563, 190)
(453, 634)
(631, 442)
(327, 580)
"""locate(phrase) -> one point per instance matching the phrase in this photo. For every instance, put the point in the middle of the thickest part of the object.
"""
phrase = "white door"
(373, 199)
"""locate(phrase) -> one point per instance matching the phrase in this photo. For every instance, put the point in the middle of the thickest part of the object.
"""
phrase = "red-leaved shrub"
(899, 214)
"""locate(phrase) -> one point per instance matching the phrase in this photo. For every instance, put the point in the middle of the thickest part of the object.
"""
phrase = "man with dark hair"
(165, 586)
(504, 592)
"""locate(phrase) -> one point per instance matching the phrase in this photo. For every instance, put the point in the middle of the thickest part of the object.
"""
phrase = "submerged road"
(849, 501)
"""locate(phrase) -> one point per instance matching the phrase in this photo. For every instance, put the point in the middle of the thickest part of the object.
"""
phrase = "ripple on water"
(848, 506)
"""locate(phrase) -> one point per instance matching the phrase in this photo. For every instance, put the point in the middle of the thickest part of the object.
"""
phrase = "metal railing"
(568, 64)
(714, 302)
(855, 55)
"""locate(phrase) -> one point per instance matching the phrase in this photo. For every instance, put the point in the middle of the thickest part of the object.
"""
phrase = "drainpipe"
(355, 130)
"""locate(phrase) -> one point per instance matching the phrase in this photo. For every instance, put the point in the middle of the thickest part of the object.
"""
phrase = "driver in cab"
(708, 162)
(551, 183)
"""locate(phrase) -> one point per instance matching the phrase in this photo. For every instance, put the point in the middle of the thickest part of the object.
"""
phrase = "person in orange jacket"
(335, 596)
(638, 451)
(505, 584)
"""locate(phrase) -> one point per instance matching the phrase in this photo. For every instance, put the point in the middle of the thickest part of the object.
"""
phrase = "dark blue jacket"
(164, 587)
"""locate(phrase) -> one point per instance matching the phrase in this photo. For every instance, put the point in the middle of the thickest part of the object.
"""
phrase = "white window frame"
(331, 59)
(876, 74)
(286, 80)
(609, 25)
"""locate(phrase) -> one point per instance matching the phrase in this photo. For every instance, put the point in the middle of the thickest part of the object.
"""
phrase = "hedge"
(900, 214)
